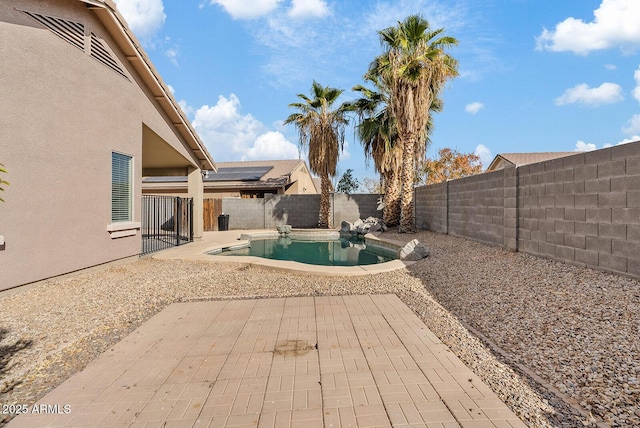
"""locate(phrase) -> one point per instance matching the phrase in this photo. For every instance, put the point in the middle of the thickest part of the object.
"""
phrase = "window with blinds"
(121, 187)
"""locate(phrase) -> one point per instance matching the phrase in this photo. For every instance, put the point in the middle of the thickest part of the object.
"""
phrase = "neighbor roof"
(519, 159)
(248, 174)
(279, 170)
(238, 173)
(117, 27)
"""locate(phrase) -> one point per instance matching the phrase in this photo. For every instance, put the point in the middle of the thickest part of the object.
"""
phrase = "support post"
(196, 191)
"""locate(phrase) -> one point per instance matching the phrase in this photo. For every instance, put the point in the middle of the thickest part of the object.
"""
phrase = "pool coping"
(213, 241)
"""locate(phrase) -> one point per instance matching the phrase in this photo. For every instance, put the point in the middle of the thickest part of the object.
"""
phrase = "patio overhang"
(159, 158)
(116, 25)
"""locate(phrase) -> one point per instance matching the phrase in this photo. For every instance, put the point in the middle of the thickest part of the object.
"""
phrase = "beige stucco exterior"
(62, 115)
(302, 182)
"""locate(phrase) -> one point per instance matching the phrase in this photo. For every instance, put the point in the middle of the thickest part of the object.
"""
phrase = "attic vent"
(99, 52)
(72, 32)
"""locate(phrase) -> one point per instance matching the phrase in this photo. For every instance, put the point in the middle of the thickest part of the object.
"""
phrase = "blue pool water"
(339, 252)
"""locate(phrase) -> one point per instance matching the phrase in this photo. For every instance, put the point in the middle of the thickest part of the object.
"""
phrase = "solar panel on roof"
(240, 173)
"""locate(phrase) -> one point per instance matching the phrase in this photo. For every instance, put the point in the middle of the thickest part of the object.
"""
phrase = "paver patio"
(341, 361)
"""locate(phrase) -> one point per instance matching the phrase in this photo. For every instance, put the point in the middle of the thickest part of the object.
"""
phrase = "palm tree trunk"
(407, 221)
(325, 205)
(391, 211)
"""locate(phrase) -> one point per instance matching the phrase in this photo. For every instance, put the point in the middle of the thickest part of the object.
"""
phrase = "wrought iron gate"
(167, 221)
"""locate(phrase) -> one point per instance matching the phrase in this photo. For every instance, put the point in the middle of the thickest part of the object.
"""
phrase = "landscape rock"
(362, 227)
(414, 251)
(561, 323)
(284, 229)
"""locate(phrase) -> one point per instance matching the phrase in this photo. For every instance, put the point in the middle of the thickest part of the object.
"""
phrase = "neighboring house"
(251, 179)
(83, 116)
(504, 160)
(318, 183)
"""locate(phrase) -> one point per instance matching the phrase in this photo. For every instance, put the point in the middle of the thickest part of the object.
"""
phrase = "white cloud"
(632, 126)
(636, 90)
(308, 9)
(383, 14)
(629, 140)
(474, 107)
(247, 9)
(271, 145)
(611, 67)
(186, 108)
(606, 93)
(615, 24)
(145, 17)
(345, 154)
(231, 136)
(172, 54)
(484, 154)
(336, 43)
(581, 146)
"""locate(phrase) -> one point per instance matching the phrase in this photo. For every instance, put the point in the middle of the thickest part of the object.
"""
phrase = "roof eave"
(108, 14)
(495, 161)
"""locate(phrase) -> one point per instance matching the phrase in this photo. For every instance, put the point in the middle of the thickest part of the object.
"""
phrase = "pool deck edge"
(212, 241)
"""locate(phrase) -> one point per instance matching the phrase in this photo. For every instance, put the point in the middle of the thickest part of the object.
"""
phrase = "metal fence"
(167, 221)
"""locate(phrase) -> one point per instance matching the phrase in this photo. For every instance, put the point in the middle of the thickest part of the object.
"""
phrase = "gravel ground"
(559, 344)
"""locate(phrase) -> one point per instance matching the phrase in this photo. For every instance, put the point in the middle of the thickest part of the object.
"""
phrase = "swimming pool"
(331, 252)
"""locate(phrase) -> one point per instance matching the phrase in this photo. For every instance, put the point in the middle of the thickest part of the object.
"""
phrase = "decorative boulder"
(362, 227)
(284, 229)
(373, 224)
(413, 251)
(375, 227)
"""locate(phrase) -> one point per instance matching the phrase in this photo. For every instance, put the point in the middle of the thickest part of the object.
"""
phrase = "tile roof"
(519, 159)
(272, 174)
(280, 168)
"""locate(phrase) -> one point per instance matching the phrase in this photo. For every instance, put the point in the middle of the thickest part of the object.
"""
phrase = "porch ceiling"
(117, 27)
(158, 154)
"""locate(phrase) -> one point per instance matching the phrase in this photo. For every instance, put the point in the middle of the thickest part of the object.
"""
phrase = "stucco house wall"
(303, 182)
(62, 115)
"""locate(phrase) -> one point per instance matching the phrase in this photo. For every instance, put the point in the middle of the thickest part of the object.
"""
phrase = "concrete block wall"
(477, 207)
(584, 209)
(244, 213)
(352, 207)
(299, 211)
(510, 207)
(431, 207)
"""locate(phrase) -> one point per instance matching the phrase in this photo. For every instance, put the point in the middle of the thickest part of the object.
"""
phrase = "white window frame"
(121, 227)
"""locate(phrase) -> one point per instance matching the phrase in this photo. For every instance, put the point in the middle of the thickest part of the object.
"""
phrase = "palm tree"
(376, 131)
(415, 68)
(2, 181)
(321, 131)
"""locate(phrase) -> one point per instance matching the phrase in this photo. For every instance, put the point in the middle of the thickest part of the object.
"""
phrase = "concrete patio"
(304, 361)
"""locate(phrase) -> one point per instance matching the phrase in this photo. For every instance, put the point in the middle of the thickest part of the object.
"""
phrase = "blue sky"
(535, 75)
